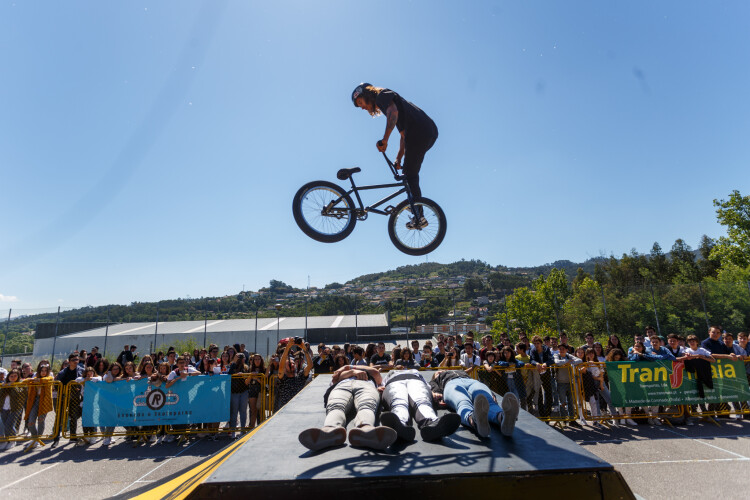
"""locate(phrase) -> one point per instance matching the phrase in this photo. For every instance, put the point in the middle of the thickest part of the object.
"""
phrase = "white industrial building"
(259, 335)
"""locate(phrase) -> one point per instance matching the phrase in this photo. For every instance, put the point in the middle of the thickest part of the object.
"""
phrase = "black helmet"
(358, 92)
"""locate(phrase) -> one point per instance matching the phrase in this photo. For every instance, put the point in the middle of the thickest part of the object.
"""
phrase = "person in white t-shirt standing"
(697, 360)
(469, 359)
(181, 373)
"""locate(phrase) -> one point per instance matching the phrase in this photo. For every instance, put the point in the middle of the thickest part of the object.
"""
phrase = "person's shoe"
(510, 406)
(30, 447)
(481, 410)
(81, 442)
(575, 423)
(657, 421)
(630, 421)
(55, 442)
(169, 438)
(434, 430)
(107, 441)
(376, 438)
(319, 439)
(404, 432)
(152, 439)
(417, 224)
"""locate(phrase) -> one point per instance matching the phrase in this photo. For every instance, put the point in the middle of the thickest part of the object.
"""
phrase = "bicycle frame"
(362, 211)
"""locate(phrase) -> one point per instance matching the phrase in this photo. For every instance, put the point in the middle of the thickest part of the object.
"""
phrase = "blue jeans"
(10, 420)
(238, 404)
(459, 395)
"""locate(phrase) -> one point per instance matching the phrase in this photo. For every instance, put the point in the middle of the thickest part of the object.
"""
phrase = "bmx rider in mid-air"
(418, 132)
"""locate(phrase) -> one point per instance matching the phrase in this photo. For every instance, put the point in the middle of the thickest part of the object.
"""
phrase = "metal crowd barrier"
(725, 410)
(593, 395)
(72, 414)
(549, 394)
(217, 428)
(22, 398)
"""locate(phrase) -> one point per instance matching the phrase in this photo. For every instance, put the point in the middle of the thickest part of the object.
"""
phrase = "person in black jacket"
(541, 357)
(94, 357)
(67, 375)
(125, 356)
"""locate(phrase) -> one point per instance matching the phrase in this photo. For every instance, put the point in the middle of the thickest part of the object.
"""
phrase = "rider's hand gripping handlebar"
(395, 173)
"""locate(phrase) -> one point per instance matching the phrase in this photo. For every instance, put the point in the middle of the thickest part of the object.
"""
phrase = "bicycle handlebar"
(395, 173)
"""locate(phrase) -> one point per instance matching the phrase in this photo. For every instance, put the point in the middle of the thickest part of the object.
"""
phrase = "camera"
(298, 340)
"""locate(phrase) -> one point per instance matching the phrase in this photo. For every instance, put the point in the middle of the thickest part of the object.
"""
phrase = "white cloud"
(8, 298)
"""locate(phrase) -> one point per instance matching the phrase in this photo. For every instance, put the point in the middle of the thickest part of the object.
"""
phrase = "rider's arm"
(401, 148)
(391, 118)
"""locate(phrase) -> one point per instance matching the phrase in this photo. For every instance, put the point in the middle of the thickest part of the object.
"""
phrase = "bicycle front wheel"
(420, 238)
(324, 211)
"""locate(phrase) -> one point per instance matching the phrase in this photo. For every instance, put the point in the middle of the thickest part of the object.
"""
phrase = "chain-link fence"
(596, 401)
(30, 410)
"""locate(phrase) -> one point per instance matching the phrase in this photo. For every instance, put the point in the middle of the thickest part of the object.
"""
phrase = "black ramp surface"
(273, 458)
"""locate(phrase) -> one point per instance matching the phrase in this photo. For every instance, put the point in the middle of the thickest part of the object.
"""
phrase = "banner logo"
(155, 399)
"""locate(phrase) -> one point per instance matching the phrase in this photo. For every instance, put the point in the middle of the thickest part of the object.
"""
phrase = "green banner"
(652, 383)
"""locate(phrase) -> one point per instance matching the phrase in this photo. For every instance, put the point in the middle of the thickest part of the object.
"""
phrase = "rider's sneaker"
(414, 224)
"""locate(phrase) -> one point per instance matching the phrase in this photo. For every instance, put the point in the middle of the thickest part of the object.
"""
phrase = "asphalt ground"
(701, 461)
(67, 471)
(662, 462)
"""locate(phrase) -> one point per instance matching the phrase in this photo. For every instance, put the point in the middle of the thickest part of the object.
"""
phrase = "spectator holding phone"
(452, 358)
(292, 377)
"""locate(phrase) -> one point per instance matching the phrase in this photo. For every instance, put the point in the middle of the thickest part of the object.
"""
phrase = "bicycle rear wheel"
(324, 211)
(420, 240)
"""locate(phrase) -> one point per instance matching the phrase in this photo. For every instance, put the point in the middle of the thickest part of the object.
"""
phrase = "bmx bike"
(326, 212)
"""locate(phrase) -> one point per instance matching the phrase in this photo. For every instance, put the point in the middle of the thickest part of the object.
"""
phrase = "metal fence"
(681, 308)
(35, 412)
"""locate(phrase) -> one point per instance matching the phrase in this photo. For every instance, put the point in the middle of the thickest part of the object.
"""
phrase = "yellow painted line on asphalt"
(181, 486)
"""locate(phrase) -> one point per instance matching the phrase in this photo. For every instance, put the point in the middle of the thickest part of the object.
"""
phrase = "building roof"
(236, 325)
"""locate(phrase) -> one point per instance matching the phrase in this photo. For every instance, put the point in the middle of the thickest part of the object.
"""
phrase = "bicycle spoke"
(417, 238)
(313, 204)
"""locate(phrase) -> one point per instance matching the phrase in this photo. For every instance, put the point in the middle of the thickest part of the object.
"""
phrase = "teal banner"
(653, 383)
(194, 400)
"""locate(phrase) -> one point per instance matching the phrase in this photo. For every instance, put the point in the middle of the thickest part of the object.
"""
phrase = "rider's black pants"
(416, 146)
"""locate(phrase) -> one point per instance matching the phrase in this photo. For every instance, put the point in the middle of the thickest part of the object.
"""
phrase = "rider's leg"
(416, 147)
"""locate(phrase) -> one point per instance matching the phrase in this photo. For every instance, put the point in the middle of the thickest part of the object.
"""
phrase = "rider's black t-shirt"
(411, 119)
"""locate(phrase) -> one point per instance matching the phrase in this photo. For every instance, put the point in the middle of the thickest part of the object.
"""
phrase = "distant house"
(461, 328)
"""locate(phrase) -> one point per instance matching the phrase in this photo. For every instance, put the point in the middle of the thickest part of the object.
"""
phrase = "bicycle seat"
(345, 173)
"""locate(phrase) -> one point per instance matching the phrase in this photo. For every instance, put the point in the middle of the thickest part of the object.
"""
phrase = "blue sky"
(151, 150)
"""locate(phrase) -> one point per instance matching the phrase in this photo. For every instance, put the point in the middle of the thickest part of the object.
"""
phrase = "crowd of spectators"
(536, 370)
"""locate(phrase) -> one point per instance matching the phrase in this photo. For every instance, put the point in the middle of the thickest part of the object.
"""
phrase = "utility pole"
(156, 325)
(106, 333)
(54, 342)
(653, 301)
(5, 339)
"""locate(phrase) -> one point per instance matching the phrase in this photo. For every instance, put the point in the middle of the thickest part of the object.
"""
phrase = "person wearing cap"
(93, 357)
(418, 131)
